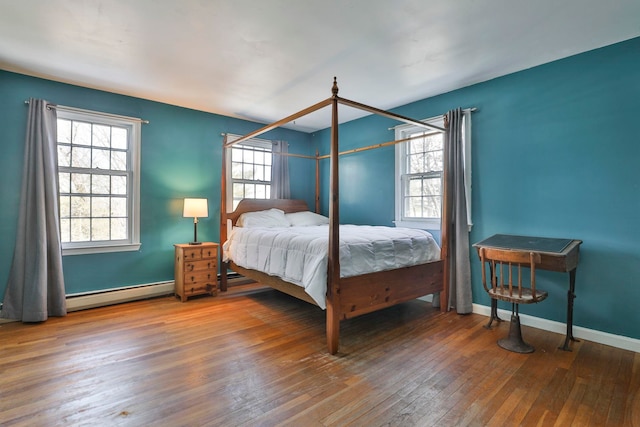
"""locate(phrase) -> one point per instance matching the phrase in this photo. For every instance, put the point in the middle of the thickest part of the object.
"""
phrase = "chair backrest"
(502, 264)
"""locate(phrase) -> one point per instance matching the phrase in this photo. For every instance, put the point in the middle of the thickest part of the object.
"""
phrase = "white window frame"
(253, 142)
(403, 131)
(133, 126)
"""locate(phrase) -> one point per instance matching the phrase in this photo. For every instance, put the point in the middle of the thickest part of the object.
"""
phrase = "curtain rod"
(80, 110)
(472, 110)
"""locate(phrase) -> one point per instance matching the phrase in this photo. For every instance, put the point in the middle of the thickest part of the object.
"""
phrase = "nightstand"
(196, 270)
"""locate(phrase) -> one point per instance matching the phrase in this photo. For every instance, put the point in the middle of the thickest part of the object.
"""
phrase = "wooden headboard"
(253, 205)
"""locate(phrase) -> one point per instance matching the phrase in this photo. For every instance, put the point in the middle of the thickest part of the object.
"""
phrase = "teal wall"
(555, 153)
(181, 157)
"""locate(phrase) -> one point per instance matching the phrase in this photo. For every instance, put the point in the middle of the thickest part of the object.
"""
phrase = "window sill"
(101, 249)
(429, 224)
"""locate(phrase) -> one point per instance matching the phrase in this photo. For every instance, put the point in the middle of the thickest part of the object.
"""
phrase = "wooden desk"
(559, 255)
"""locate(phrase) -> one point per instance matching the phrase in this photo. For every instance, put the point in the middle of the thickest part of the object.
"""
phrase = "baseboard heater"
(86, 300)
(82, 301)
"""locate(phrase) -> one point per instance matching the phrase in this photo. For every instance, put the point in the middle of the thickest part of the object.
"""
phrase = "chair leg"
(514, 342)
(494, 314)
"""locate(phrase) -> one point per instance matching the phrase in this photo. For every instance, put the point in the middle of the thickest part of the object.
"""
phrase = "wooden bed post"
(317, 182)
(445, 224)
(223, 213)
(333, 266)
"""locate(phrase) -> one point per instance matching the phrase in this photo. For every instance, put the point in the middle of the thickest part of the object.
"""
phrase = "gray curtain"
(459, 265)
(35, 289)
(280, 188)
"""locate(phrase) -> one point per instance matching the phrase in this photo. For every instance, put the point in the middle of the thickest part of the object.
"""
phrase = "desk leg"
(494, 306)
(570, 297)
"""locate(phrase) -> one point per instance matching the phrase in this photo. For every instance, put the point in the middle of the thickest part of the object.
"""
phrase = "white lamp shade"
(195, 208)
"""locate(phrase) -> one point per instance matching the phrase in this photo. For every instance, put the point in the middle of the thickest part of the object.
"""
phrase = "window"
(419, 167)
(98, 170)
(248, 170)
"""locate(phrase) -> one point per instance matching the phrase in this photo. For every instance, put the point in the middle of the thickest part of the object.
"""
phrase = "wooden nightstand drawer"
(196, 270)
(206, 276)
(210, 252)
(192, 253)
(199, 289)
(211, 264)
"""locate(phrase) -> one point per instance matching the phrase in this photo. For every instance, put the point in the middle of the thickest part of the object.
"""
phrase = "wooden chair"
(503, 266)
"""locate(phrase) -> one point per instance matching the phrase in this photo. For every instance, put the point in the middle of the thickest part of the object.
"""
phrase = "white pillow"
(269, 218)
(306, 218)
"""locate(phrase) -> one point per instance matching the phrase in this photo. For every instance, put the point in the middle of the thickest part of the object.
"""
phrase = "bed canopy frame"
(349, 296)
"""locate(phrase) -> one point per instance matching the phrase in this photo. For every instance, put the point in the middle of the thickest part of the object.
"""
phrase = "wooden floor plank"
(256, 357)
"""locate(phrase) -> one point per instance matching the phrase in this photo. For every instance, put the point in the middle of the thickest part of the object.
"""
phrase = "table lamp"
(195, 208)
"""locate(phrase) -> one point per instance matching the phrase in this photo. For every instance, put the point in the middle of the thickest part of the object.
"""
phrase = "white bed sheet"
(299, 254)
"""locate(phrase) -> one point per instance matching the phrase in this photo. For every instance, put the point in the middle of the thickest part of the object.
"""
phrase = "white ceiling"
(263, 60)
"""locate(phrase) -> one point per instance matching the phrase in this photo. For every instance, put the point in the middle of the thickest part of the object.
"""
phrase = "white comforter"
(299, 254)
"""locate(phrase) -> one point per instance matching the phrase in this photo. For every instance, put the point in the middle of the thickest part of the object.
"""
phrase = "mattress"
(299, 254)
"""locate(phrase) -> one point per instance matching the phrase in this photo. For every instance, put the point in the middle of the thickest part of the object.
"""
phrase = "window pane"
(100, 184)
(247, 171)
(101, 136)
(100, 229)
(250, 191)
(65, 230)
(416, 145)
(413, 207)
(433, 186)
(236, 155)
(100, 207)
(236, 170)
(267, 158)
(118, 228)
(416, 163)
(433, 161)
(100, 159)
(247, 156)
(261, 191)
(80, 157)
(119, 160)
(64, 155)
(81, 183)
(80, 229)
(64, 131)
(434, 142)
(238, 191)
(118, 185)
(431, 207)
(81, 133)
(65, 206)
(259, 158)
(415, 187)
(64, 182)
(119, 138)
(80, 206)
(258, 173)
(119, 207)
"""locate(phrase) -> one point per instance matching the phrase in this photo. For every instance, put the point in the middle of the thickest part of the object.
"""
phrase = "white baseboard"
(600, 337)
(77, 302)
(82, 301)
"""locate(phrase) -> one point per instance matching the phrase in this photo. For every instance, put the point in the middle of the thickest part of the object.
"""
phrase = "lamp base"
(195, 243)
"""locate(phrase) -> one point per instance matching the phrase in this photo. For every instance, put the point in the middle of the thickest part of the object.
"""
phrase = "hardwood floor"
(258, 358)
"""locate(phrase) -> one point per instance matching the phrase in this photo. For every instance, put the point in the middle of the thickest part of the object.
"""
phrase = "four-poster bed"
(346, 297)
